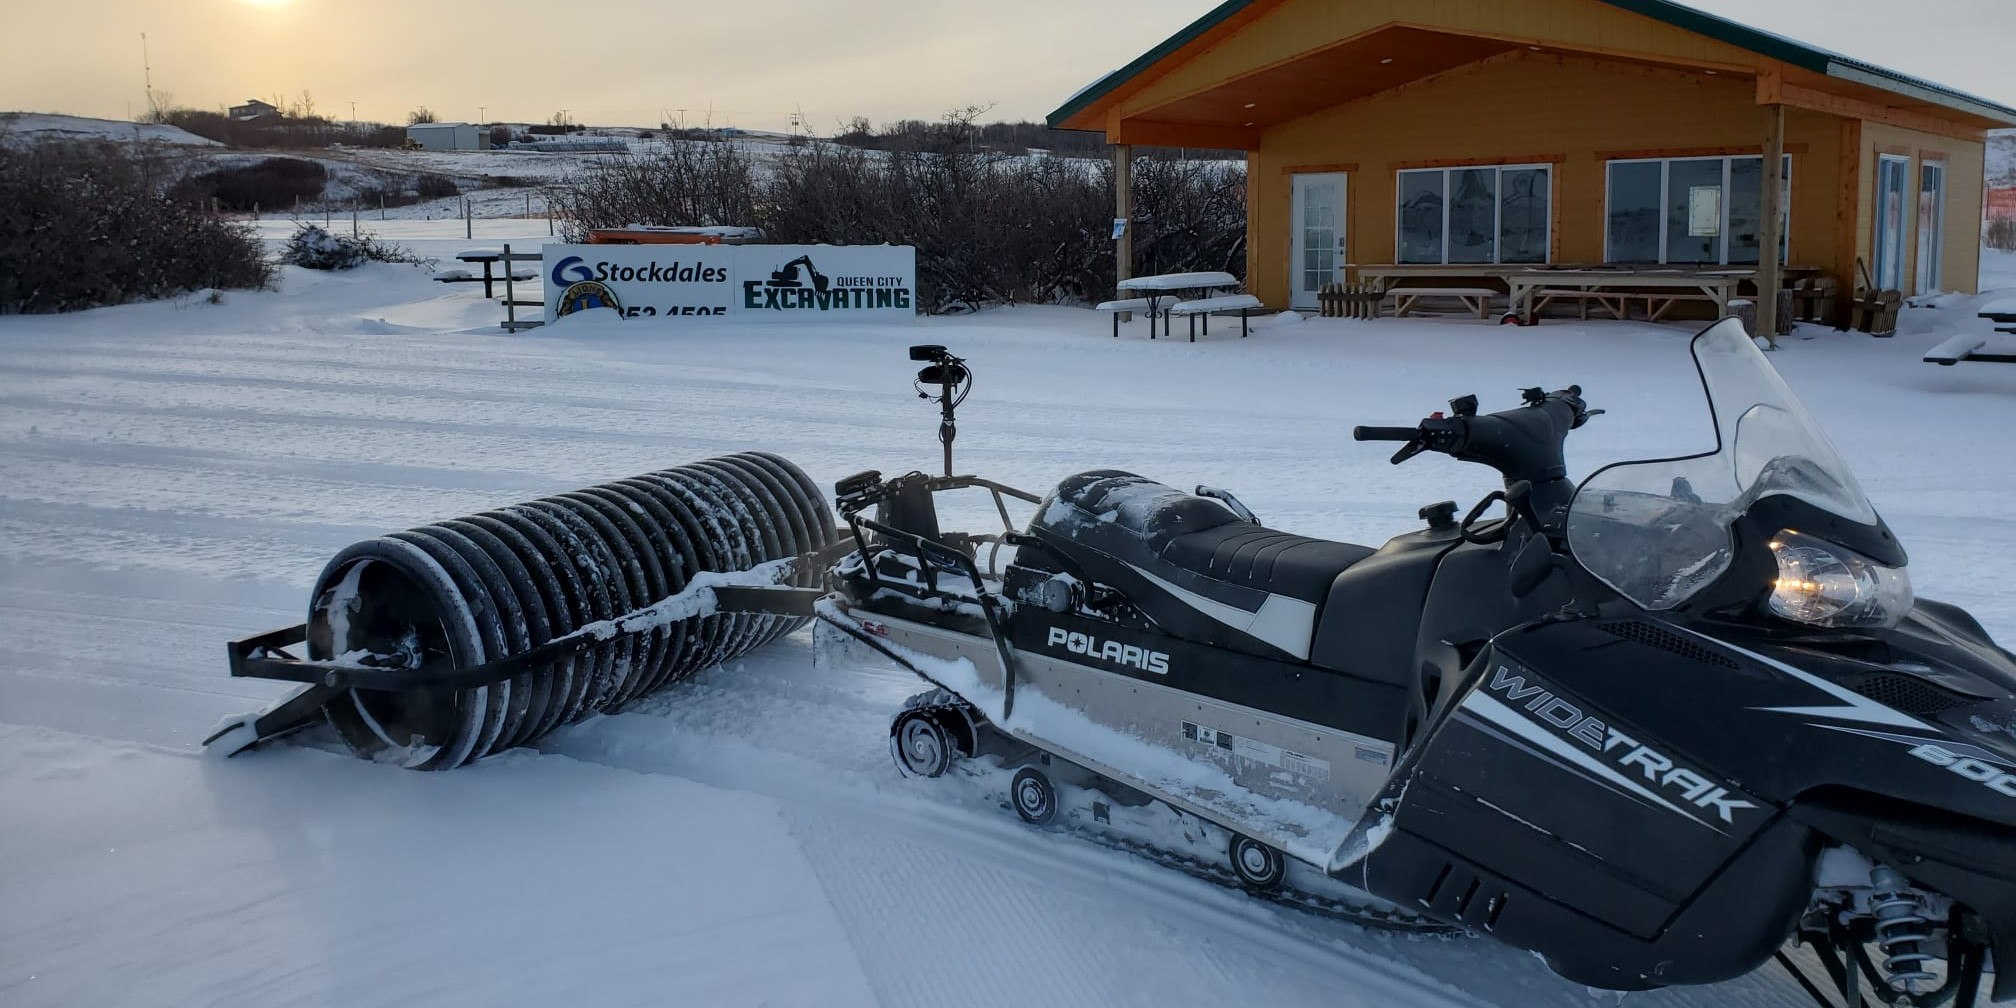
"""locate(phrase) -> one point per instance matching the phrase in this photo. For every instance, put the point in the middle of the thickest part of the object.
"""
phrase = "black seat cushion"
(1279, 562)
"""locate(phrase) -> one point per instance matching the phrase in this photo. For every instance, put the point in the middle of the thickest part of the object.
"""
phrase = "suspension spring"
(1903, 924)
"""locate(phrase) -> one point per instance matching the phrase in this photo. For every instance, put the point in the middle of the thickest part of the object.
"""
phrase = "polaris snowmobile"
(1657, 727)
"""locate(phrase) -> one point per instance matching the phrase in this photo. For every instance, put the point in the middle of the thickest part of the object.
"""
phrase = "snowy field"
(174, 475)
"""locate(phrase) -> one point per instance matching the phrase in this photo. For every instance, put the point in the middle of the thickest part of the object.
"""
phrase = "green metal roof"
(1721, 29)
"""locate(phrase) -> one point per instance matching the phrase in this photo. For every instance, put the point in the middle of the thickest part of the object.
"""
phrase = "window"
(1891, 170)
(1689, 210)
(1488, 214)
(1931, 225)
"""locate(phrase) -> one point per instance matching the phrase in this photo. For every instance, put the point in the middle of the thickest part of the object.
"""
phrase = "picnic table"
(1152, 291)
(1614, 289)
(1979, 348)
(490, 257)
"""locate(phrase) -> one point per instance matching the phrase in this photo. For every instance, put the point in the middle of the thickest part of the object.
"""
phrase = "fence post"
(381, 206)
(468, 223)
(353, 219)
(510, 295)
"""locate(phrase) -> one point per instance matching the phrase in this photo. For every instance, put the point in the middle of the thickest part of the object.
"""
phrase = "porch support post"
(1768, 271)
(1123, 210)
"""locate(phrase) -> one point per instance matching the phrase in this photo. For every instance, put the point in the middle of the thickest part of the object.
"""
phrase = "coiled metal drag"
(439, 645)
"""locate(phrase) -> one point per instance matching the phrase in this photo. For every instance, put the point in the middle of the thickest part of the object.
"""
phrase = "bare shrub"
(90, 224)
(684, 182)
(2000, 233)
(271, 184)
(429, 186)
(311, 247)
(989, 227)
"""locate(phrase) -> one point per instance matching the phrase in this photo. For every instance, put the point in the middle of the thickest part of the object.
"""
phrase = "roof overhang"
(1233, 113)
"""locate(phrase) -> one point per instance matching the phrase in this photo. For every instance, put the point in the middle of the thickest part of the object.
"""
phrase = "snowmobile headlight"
(1828, 585)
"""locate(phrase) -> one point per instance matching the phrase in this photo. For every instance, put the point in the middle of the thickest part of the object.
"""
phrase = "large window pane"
(1695, 213)
(1421, 216)
(1473, 215)
(1746, 209)
(1523, 213)
(1633, 209)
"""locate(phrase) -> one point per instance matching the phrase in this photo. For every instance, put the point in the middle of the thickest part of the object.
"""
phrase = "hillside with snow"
(40, 125)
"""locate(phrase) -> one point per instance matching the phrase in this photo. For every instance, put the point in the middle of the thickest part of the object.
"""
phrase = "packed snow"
(174, 475)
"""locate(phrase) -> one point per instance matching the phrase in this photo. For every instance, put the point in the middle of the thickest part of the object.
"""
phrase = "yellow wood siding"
(1288, 31)
(1524, 108)
(1966, 187)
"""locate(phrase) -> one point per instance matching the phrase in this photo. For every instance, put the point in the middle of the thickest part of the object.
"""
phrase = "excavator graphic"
(787, 275)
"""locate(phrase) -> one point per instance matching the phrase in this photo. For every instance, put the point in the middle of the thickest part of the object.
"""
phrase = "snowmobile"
(1653, 727)
(1660, 727)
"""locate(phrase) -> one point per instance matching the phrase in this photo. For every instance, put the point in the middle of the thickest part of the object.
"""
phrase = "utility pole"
(681, 123)
(482, 113)
(353, 111)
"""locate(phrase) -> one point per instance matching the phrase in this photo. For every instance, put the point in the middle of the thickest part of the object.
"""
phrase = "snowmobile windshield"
(1659, 531)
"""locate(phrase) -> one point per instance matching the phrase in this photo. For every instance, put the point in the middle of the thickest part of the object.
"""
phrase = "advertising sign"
(746, 282)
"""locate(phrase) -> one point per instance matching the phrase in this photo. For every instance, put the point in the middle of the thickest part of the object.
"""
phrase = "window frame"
(1497, 211)
(1666, 197)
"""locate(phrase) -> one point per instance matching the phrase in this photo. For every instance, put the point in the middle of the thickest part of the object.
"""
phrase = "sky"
(756, 63)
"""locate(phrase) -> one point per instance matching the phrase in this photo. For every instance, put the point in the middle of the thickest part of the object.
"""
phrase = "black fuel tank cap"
(1439, 515)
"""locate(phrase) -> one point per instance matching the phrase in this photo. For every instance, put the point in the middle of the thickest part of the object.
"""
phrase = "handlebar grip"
(1385, 433)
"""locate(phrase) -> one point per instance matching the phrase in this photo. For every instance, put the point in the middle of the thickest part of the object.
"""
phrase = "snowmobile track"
(1018, 854)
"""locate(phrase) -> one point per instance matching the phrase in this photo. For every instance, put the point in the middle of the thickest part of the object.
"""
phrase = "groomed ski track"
(174, 475)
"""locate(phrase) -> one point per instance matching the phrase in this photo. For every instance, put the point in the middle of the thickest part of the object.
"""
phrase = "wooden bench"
(1476, 299)
(1127, 306)
(1242, 305)
(1615, 304)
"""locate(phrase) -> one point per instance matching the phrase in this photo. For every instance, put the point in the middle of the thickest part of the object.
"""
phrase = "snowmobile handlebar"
(1385, 433)
(1522, 443)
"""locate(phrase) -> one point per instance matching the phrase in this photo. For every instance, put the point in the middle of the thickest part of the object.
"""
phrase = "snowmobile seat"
(1193, 566)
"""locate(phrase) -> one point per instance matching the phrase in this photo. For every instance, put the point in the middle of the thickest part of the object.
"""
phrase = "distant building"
(446, 136)
(254, 109)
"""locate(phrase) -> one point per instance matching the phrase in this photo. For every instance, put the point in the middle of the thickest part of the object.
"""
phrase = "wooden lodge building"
(1502, 134)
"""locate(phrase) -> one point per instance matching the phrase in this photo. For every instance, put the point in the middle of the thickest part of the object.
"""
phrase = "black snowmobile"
(1657, 727)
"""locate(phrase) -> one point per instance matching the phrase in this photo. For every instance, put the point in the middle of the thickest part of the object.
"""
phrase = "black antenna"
(954, 381)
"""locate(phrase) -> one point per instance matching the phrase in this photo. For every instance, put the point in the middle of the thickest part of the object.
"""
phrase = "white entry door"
(1317, 227)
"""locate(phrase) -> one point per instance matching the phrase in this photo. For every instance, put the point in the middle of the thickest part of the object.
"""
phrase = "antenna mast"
(147, 71)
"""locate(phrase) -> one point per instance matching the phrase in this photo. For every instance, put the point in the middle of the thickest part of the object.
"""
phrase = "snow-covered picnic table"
(1154, 291)
(489, 257)
(1979, 348)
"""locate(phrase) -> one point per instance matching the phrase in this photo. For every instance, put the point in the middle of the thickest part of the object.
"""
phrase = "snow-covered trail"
(172, 476)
